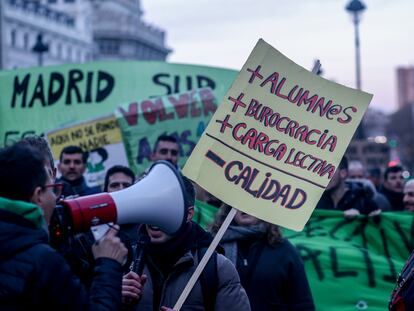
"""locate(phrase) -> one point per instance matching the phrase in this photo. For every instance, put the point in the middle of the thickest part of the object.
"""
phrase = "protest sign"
(275, 142)
(101, 138)
(183, 116)
(355, 260)
(36, 100)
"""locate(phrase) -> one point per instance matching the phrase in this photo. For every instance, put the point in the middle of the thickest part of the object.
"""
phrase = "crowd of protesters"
(254, 268)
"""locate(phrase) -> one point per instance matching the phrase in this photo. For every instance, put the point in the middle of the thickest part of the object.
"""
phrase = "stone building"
(76, 31)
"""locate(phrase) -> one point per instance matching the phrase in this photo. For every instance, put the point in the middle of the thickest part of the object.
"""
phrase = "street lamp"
(355, 8)
(39, 48)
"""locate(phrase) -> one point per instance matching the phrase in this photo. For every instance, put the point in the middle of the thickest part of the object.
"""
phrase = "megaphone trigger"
(100, 230)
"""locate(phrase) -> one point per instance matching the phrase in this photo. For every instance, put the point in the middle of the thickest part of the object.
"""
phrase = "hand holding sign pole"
(273, 145)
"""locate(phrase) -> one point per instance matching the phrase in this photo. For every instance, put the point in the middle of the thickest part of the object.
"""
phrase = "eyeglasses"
(56, 188)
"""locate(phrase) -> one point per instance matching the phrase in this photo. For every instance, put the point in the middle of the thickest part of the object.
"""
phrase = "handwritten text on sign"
(275, 142)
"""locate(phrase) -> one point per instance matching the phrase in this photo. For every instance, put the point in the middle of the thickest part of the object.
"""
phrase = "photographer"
(32, 274)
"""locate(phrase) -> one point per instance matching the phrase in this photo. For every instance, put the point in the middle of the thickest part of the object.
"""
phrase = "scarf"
(238, 233)
(27, 210)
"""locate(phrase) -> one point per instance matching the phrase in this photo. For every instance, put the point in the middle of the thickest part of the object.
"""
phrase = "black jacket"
(273, 276)
(34, 276)
(357, 196)
(395, 198)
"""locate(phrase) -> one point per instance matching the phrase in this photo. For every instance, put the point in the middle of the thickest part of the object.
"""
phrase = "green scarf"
(27, 210)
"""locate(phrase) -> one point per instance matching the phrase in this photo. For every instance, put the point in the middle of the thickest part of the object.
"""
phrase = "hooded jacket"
(172, 280)
(34, 276)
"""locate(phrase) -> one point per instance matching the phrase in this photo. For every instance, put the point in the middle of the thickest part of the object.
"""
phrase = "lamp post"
(355, 8)
(39, 48)
(2, 47)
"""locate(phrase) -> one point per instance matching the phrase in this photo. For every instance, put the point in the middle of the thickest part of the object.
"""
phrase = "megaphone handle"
(204, 260)
(138, 266)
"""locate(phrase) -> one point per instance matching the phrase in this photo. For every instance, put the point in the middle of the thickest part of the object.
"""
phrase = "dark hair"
(117, 169)
(374, 172)
(343, 165)
(21, 171)
(73, 150)
(392, 169)
(165, 137)
(273, 233)
(39, 143)
(190, 191)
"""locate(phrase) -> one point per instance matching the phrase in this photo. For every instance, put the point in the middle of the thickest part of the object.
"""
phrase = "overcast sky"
(222, 33)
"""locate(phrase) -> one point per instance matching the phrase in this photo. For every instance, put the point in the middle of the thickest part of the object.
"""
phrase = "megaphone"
(159, 199)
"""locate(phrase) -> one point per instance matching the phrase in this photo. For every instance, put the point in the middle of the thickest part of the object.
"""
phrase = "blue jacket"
(34, 275)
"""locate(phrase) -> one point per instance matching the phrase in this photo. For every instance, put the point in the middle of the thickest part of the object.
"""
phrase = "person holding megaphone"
(32, 274)
(169, 262)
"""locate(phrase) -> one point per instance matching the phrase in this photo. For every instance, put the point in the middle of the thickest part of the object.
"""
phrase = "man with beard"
(166, 148)
(393, 187)
(408, 199)
(72, 166)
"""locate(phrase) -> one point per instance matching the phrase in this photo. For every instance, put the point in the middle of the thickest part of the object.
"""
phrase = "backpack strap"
(209, 280)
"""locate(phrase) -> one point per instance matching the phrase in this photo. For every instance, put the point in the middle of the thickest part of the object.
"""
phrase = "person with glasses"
(166, 148)
(32, 273)
(40, 144)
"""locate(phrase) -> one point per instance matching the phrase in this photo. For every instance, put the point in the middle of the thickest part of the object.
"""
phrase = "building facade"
(22, 21)
(405, 86)
(76, 31)
(120, 33)
(401, 129)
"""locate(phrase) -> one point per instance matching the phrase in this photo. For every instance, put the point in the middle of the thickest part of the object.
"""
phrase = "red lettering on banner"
(131, 116)
(208, 100)
(162, 115)
(180, 104)
(149, 110)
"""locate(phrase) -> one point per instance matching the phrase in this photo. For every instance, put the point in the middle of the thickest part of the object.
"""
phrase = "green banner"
(37, 100)
(350, 264)
(183, 115)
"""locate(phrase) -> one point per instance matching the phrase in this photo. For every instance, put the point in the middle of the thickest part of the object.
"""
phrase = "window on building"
(109, 47)
(79, 56)
(26, 41)
(13, 35)
(69, 56)
(59, 50)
